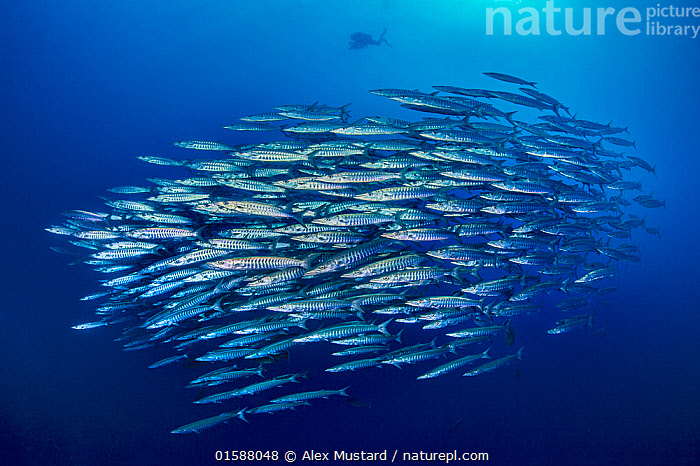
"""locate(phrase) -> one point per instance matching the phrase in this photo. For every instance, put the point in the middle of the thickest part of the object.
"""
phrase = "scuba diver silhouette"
(360, 40)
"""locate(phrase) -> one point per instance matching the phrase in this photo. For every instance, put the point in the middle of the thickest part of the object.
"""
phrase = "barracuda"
(207, 423)
(354, 365)
(418, 274)
(122, 253)
(440, 302)
(397, 194)
(203, 145)
(230, 244)
(341, 331)
(257, 263)
(331, 237)
(249, 390)
(350, 257)
(419, 234)
(418, 356)
(385, 266)
(494, 287)
(243, 207)
(456, 364)
(479, 331)
(349, 220)
(305, 396)
(156, 233)
(359, 177)
(495, 364)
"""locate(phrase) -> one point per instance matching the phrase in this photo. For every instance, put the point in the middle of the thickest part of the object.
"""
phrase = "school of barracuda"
(345, 234)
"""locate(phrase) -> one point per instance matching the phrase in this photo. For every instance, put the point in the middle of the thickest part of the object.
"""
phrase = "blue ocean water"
(86, 87)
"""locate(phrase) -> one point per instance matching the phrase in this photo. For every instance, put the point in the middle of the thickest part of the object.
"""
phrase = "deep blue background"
(86, 87)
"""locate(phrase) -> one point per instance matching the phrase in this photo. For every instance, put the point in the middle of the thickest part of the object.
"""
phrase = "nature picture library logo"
(531, 18)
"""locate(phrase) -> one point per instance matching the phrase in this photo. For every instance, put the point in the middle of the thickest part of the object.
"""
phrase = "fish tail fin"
(398, 336)
(302, 323)
(453, 347)
(616, 202)
(307, 265)
(455, 273)
(312, 158)
(299, 218)
(357, 307)
(217, 305)
(565, 283)
(519, 354)
(303, 291)
(653, 170)
(485, 354)
(487, 311)
(241, 414)
(342, 391)
(382, 327)
(275, 242)
(554, 242)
